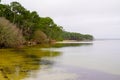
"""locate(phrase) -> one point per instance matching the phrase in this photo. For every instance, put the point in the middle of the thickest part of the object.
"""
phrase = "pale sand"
(74, 41)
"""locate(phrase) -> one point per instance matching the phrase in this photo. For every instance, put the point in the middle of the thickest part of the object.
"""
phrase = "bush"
(10, 35)
(40, 37)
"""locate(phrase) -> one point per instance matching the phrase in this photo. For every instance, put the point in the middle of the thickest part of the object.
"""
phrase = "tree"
(52, 30)
(10, 35)
(76, 36)
(30, 23)
(17, 9)
(4, 10)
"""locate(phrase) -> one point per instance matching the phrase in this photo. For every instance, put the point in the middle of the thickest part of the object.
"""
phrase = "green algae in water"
(16, 64)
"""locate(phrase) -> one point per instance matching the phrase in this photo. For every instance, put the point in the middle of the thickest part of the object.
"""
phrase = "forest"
(19, 26)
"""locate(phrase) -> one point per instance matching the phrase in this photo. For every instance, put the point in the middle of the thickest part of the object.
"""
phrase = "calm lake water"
(99, 60)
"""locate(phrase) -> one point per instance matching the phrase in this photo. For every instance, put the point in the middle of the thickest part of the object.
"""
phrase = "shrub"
(10, 35)
(39, 37)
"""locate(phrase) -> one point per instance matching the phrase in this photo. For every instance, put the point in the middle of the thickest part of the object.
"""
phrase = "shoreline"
(73, 41)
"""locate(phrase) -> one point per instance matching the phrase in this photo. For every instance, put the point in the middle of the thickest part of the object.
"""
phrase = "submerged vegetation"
(22, 62)
(20, 26)
(18, 64)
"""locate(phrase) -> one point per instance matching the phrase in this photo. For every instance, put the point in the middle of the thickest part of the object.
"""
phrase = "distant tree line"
(76, 36)
(21, 26)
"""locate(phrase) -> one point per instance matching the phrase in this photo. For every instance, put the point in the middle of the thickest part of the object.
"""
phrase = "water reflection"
(17, 64)
(60, 45)
(80, 62)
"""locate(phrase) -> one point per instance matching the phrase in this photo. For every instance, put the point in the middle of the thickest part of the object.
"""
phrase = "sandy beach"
(74, 41)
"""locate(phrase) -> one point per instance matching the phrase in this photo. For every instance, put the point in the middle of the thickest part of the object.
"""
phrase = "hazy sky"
(101, 18)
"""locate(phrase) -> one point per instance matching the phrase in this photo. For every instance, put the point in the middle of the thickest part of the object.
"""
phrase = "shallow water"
(99, 60)
(19, 64)
(103, 56)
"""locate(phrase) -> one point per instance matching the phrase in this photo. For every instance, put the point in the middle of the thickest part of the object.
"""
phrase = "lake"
(99, 60)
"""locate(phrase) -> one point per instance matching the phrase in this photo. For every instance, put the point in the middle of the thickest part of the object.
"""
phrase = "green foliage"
(52, 30)
(76, 36)
(10, 35)
(88, 37)
(30, 22)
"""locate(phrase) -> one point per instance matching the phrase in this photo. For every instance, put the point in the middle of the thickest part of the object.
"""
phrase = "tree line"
(20, 26)
(76, 36)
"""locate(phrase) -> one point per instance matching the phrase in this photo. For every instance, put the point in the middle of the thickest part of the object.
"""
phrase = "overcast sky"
(101, 18)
